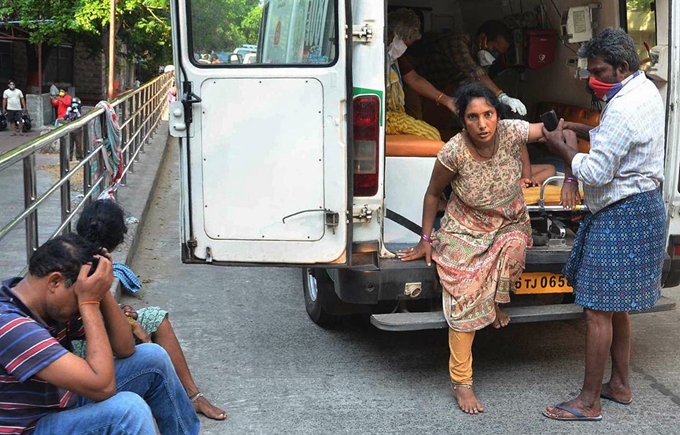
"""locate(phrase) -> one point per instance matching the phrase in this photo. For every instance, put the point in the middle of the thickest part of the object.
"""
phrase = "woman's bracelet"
(427, 238)
(570, 180)
(439, 98)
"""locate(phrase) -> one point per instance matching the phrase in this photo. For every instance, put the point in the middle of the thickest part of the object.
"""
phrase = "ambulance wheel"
(319, 291)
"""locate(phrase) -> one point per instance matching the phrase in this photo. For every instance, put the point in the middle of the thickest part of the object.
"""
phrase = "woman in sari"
(480, 247)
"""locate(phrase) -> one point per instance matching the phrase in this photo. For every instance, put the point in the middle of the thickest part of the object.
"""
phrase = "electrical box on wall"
(579, 24)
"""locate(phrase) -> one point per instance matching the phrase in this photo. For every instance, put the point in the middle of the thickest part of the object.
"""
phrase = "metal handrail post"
(123, 116)
(145, 125)
(64, 169)
(30, 194)
(135, 116)
(87, 170)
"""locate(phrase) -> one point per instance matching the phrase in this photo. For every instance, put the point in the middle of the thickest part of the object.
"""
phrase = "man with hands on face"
(616, 262)
(48, 389)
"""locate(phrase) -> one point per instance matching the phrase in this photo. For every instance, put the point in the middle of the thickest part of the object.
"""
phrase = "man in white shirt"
(13, 106)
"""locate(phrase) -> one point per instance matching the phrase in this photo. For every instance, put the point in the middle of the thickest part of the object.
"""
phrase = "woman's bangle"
(439, 98)
(570, 180)
(88, 302)
(427, 238)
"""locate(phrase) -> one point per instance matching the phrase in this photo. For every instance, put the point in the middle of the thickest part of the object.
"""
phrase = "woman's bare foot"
(502, 319)
(466, 399)
(203, 406)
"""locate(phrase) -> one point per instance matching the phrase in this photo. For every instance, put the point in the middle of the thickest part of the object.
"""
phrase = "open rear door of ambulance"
(263, 131)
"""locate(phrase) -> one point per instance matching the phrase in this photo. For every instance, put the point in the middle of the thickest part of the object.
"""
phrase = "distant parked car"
(245, 49)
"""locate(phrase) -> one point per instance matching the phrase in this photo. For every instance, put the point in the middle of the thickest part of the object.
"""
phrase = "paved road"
(254, 351)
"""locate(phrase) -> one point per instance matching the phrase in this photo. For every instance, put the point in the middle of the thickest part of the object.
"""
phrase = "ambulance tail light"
(366, 145)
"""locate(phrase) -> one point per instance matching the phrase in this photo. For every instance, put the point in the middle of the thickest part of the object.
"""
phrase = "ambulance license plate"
(542, 282)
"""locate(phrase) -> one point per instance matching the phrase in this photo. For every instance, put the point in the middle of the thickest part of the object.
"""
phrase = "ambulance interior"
(541, 69)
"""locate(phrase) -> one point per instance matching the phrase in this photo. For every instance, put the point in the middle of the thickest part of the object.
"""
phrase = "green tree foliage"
(223, 25)
(142, 25)
(639, 5)
(46, 21)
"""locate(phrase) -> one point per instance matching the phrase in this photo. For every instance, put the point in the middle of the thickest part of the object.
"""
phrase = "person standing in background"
(13, 106)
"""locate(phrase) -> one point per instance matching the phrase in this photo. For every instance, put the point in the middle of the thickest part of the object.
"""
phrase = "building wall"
(90, 74)
(88, 78)
(20, 65)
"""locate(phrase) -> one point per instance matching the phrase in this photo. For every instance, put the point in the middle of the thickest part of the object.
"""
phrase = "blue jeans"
(147, 385)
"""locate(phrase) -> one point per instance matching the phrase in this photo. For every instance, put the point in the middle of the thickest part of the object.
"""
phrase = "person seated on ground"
(62, 102)
(403, 30)
(102, 222)
(46, 389)
(450, 61)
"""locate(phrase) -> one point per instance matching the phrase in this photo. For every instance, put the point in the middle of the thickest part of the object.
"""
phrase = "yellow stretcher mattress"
(551, 195)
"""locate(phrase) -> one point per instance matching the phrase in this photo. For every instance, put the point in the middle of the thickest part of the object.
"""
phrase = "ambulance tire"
(319, 294)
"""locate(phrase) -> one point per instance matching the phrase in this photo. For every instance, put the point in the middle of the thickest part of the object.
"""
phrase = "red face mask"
(604, 91)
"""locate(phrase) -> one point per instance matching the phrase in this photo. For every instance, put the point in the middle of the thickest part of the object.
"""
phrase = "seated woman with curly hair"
(103, 223)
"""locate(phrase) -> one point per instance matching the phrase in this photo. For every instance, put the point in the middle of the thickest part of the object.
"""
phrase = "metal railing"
(138, 114)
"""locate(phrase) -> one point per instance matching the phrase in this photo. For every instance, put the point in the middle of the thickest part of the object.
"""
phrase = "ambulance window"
(244, 33)
(640, 22)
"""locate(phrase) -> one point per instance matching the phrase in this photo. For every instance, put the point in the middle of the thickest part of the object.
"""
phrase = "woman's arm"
(441, 176)
(419, 84)
(535, 132)
(117, 327)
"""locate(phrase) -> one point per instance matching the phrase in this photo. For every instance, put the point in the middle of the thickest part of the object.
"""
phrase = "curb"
(135, 197)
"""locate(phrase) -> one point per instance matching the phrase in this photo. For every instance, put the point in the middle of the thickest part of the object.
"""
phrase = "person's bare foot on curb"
(502, 319)
(466, 399)
(203, 406)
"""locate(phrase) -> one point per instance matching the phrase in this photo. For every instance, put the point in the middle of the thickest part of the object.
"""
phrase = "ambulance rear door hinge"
(362, 33)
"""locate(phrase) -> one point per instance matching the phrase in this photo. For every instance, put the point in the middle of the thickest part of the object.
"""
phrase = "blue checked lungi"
(618, 253)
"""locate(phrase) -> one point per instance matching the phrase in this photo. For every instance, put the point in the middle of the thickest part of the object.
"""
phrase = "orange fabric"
(460, 359)
(408, 145)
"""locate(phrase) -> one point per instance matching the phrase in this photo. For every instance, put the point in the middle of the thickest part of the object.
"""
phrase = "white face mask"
(11, 87)
(485, 57)
(396, 48)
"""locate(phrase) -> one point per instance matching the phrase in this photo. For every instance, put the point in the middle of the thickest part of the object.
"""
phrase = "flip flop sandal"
(577, 416)
(614, 399)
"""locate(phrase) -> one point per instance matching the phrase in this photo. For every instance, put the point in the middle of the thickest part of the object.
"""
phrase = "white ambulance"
(285, 160)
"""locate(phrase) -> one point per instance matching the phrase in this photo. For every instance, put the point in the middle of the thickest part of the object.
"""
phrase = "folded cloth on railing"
(126, 277)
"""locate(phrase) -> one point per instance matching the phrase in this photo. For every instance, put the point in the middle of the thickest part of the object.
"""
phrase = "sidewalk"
(8, 142)
(133, 197)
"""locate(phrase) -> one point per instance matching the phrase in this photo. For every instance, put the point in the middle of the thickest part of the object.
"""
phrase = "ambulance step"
(538, 313)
